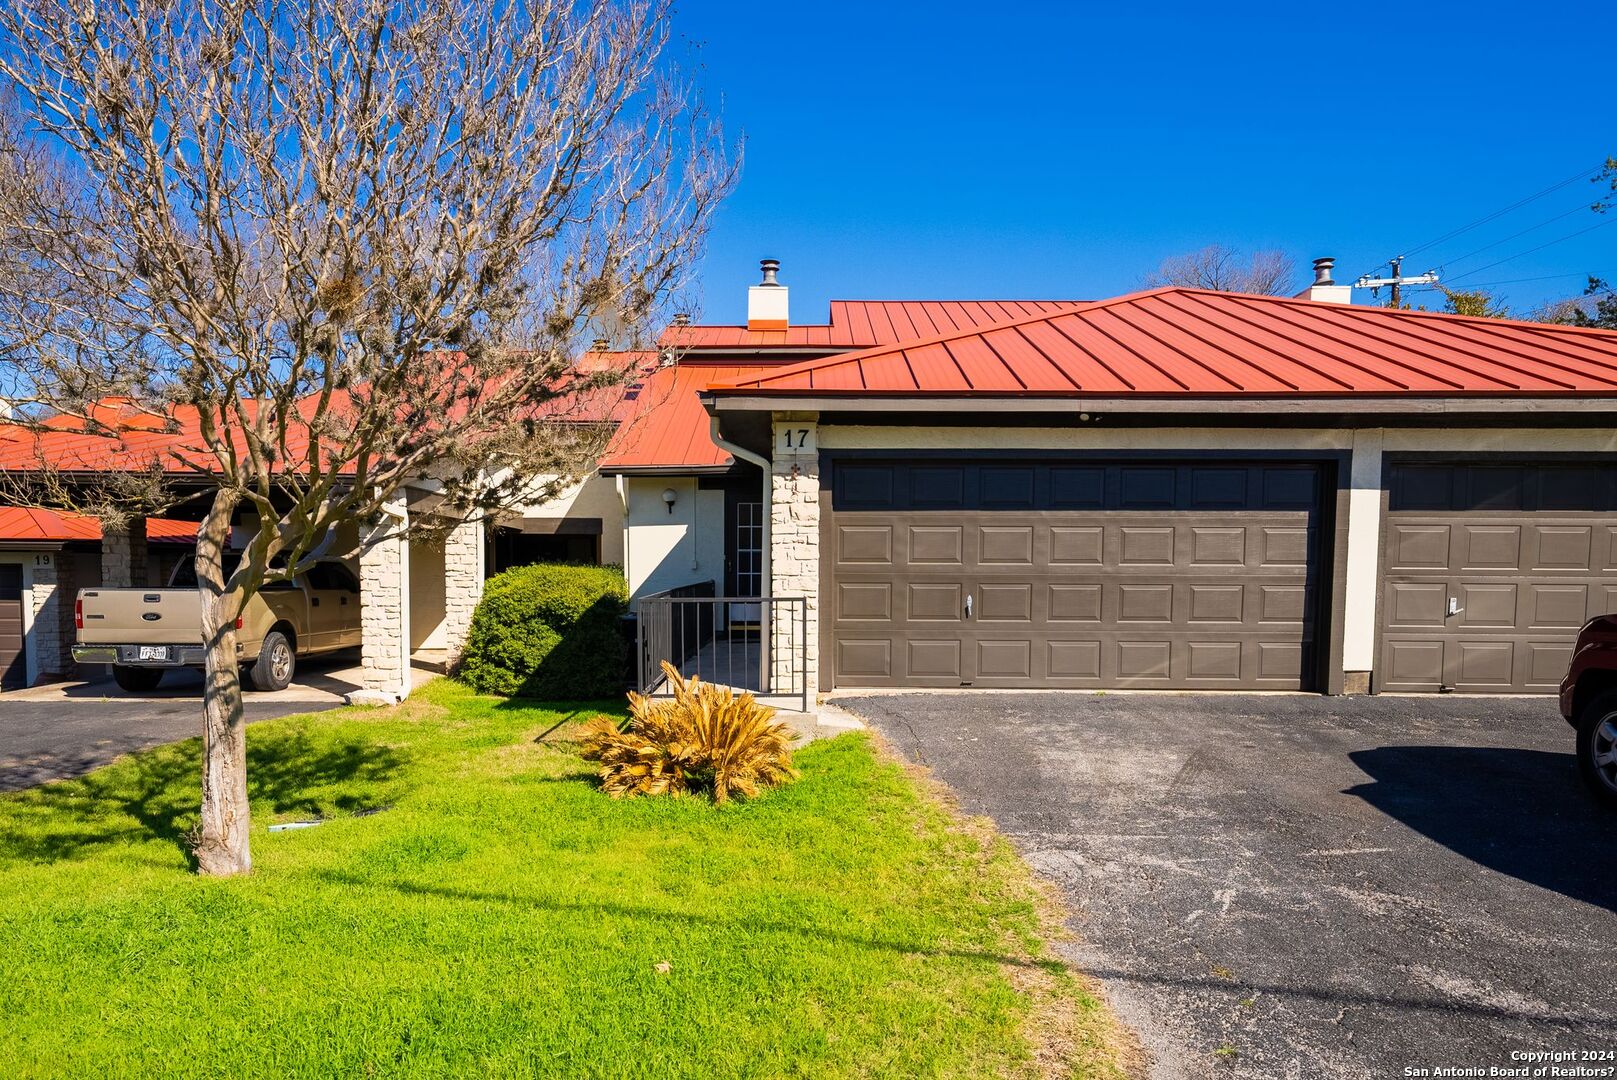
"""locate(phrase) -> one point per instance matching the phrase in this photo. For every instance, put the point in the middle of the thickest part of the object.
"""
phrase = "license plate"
(153, 652)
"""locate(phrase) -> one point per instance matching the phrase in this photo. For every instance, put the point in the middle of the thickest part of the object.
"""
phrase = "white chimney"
(766, 301)
(1324, 289)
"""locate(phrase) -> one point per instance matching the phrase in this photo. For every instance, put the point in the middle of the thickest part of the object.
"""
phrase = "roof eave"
(741, 400)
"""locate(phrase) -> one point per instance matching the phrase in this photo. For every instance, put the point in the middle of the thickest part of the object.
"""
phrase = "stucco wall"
(427, 595)
(667, 550)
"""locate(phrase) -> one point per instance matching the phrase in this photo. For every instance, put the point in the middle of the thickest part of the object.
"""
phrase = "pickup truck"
(144, 632)
(1589, 704)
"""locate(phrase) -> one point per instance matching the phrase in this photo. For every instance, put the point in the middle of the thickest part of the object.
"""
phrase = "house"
(1175, 488)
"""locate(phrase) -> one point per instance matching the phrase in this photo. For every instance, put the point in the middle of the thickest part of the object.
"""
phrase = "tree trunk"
(221, 842)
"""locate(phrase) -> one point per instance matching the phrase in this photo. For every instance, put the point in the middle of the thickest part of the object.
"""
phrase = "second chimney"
(1325, 289)
(766, 301)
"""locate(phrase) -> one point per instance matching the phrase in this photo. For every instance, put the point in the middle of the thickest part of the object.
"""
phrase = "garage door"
(13, 666)
(1490, 570)
(1010, 573)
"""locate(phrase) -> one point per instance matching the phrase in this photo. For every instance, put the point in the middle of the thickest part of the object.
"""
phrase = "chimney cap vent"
(770, 267)
(1322, 270)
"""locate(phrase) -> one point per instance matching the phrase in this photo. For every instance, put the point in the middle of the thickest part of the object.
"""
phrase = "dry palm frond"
(704, 738)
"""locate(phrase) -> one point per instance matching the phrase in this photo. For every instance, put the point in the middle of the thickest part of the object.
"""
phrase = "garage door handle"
(1454, 605)
(968, 605)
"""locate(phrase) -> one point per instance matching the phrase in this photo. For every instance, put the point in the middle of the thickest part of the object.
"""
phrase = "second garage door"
(13, 663)
(1125, 574)
(1490, 569)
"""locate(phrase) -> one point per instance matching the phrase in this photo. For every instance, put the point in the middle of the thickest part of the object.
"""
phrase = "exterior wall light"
(670, 496)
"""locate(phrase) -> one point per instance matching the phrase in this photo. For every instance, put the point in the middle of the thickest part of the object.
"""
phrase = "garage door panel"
(865, 601)
(869, 545)
(1142, 545)
(13, 658)
(934, 659)
(936, 601)
(937, 545)
(1004, 602)
(1074, 659)
(1561, 547)
(1143, 659)
(1415, 603)
(1218, 546)
(1489, 547)
(1216, 603)
(1488, 604)
(1007, 545)
(1214, 660)
(865, 657)
(1005, 658)
(1530, 559)
(1564, 607)
(1122, 574)
(1417, 547)
(1489, 664)
(1075, 603)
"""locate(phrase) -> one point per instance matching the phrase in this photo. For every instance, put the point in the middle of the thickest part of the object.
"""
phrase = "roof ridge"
(1378, 311)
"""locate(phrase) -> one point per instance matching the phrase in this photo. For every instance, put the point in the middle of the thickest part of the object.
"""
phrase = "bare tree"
(338, 246)
(1270, 273)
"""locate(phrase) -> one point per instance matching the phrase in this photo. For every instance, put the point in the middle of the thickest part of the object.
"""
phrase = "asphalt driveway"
(67, 729)
(1295, 886)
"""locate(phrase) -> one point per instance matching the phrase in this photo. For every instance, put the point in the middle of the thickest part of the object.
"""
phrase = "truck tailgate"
(141, 617)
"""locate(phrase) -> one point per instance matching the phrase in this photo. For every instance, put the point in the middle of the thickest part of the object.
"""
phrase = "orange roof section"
(862, 324)
(20, 524)
(1195, 342)
(669, 428)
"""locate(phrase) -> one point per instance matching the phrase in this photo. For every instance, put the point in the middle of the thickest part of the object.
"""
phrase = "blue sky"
(1062, 150)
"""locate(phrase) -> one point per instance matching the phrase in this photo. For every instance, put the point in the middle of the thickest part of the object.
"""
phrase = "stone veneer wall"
(794, 542)
(463, 582)
(123, 555)
(51, 645)
(384, 613)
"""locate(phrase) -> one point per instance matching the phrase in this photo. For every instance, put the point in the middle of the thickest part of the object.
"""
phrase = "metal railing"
(753, 643)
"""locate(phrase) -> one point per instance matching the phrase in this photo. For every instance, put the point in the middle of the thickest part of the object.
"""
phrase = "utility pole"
(1397, 281)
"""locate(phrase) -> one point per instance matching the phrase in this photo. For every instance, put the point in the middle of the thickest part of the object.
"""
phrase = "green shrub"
(548, 631)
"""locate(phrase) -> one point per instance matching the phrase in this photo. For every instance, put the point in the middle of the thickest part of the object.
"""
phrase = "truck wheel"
(1597, 747)
(275, 664)
(136, 680)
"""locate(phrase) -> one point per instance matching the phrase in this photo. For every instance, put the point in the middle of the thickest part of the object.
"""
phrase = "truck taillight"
(78, 614)
(238, 622)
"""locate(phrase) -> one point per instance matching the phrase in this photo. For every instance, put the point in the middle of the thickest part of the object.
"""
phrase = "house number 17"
(796, 438)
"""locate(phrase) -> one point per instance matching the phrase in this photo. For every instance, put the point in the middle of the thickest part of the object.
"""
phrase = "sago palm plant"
(704, 738)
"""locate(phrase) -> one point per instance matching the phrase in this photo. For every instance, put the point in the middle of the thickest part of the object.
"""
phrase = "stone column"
(463, 582)
(794, 544)
(123, 555)
(48, 650)
(1363, 561)
(384, 608)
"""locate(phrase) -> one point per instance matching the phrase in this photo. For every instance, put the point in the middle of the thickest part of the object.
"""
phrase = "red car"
(1589, 703)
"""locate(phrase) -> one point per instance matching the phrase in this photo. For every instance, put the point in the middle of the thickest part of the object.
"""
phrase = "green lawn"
(505, 918)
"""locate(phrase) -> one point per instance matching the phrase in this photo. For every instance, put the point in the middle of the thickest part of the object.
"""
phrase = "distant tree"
(1478, 303)
(1596, 308)
(1267, 273)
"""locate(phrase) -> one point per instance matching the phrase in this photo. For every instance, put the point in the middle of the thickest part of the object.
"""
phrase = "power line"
(1580, 208)
(1496, 214)
(1529, 251)
(1541, 277)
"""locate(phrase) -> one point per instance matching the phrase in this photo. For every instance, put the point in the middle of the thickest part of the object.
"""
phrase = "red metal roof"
(48, 526)
(861, 324)
(1169, 342)
(670, 428)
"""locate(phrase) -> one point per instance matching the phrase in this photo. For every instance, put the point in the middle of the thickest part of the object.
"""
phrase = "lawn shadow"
(1523, 813)
(155, 794)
